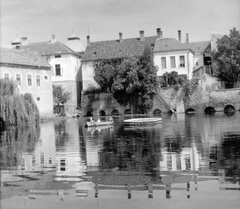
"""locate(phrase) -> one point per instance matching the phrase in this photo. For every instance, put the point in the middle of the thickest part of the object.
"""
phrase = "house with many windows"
(172, 55)
(112, 49)
(65, 64)
(32, 73)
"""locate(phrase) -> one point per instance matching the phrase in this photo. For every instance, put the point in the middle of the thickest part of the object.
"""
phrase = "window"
(58, 56)
(42, 158)
(29, 78)
(58, 70)
(163, 62)
(38, 98)
(173, 62)
(6, 76)
(38, 80)
(45, 77)
(182, 61)
(18, 79)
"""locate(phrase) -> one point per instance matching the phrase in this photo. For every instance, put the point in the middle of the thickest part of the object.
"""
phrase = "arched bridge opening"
(229, 110)
(127, 112)
(209, 110)
(157, 112)
(115, 113)
(102, 113)
(190, 111)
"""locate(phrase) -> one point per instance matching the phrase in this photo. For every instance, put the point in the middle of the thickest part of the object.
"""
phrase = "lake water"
(187, 161)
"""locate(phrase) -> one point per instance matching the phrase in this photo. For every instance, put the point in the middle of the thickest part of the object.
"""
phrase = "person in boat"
(110, 118)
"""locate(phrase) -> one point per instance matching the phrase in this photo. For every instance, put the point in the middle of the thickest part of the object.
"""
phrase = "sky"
(104, 19)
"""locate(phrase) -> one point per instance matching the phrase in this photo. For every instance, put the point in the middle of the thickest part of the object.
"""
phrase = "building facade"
(65, 64)
(32, 74)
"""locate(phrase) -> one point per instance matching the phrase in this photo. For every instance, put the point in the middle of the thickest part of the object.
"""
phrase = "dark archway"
(210, 110)
(190, 111)
(229, 110)
(115, 113)
(157, 112)
(127, 112)
(89, 113)
(102, 113)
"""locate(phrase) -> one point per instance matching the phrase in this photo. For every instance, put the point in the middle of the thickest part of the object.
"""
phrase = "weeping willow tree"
(14, 107)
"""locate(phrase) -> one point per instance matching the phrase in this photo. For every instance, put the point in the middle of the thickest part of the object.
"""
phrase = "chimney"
(179, 35)
(53, 39)
(158, 32)
(24, 41)
(120, 37)
(88, 40)
(187, 38)
(142, 35)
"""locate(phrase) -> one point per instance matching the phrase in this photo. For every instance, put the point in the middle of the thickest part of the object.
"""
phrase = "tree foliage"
(132, 81)
(172, 79)
(60, 96)
(227, 58)
(15, 108)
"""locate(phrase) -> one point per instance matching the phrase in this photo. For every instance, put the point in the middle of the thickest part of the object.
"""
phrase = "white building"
(32, 74)
(65, 65)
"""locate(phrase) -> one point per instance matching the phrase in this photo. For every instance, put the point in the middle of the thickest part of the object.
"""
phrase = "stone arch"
(229, 109)
(115, 112)
(209, 110)
(190, 110)
(102, 113)
(127, 112)
(157, 112)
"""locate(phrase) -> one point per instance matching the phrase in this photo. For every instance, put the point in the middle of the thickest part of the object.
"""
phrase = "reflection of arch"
(115, 112)
(157, 112)
(209, 110)
(229, 109)
(102, 113)
(127, 112)
(190, 110)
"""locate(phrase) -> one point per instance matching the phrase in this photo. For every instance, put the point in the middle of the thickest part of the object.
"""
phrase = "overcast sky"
(104, 19)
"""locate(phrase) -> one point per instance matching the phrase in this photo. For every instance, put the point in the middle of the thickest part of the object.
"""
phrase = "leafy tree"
(104, 76)
(60, 96)
(227, 58)
(132, 80)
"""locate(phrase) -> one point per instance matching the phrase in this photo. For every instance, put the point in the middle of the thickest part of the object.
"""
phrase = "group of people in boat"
(109, 118)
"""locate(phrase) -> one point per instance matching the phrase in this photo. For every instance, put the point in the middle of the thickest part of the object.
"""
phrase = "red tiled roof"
(116, 49)
(20, 57)
(48, 48)
(200, 47)
(169, 44)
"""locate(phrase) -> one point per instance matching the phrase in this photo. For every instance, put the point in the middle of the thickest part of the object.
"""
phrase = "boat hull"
(142, 121)
(94, 124)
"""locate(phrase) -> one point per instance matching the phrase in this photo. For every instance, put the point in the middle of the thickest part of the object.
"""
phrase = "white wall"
(42, 92)
(181, 70)
(87, 75)
(70, 65)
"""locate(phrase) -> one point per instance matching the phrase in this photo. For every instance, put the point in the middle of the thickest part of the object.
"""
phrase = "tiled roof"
(116, 49)
(48, 48)
(20, 57)
(169, 44)
(199, 47)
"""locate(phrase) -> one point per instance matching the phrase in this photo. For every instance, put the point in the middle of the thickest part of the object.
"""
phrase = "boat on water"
(142, 121)
(94, 124)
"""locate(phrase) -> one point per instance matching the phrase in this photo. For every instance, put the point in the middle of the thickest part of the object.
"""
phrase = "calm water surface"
(187, 161)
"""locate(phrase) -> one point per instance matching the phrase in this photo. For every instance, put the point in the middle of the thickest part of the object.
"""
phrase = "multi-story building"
(32, 74)
(113, 49)
(65, 64)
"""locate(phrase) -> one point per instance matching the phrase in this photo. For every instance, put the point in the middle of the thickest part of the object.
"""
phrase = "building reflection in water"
(70, 161)
(175, 155)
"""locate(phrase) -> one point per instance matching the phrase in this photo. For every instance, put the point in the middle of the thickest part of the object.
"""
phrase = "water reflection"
(65, 159)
